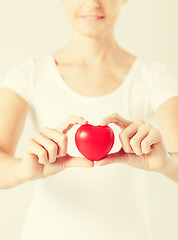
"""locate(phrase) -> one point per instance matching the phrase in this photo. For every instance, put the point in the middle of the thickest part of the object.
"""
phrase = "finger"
(35, 148)
(137, 139)
(117, 157)
(59, 138)
(48, 144)
(109, 159)
(69, 161)
(70, 122)
(117, 119)
(154, 137)
(126, 135)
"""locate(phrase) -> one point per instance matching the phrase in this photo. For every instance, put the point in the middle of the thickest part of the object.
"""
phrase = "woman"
(91, 80)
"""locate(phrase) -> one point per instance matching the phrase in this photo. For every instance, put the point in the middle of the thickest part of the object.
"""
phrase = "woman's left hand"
(142, 145)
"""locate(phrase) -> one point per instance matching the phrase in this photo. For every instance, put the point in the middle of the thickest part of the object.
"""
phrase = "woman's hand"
(142, 145)
(46, 152)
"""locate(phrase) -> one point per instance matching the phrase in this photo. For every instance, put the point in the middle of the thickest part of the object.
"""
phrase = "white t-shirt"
(81, 203)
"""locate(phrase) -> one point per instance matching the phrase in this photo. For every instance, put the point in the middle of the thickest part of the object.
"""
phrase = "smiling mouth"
(92, 18)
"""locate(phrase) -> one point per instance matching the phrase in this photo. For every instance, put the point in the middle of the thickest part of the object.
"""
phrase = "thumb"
(117, 119)
(70, 122)
(70, 161)
(117, 157)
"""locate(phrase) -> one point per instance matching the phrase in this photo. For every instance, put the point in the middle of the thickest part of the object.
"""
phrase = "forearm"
(9, 171)
(171, 171)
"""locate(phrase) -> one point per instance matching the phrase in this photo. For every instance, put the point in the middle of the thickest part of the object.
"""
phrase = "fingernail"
(52, 161)
(41, 162)
(84, 121)
(99, 163)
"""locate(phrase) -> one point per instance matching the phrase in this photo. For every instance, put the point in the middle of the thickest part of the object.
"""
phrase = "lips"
(92, 18)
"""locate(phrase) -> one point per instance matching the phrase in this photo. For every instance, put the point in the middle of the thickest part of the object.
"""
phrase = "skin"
(142, 145)
(93, 45)
(46, 151)
(93, 56)
(92, 51)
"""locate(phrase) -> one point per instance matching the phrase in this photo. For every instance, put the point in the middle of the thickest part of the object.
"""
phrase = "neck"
(92, 51)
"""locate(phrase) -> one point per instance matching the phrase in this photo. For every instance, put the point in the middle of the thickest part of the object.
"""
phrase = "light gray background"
(145, 28)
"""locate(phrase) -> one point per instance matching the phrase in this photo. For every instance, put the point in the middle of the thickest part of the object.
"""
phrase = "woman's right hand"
(46, 152)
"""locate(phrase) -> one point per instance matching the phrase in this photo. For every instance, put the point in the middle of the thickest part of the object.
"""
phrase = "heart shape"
(94, 142)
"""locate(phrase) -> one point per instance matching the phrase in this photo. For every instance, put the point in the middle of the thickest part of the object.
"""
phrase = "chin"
(92, 33)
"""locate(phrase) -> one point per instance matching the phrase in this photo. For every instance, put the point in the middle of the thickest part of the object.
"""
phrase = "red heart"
(94, 142)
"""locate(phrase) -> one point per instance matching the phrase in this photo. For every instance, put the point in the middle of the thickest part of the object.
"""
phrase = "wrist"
(169, 164)
(10, 174)
(171, 168)
(20, 174)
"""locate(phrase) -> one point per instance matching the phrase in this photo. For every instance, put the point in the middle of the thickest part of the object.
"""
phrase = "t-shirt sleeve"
(18, 79)
(164, 85)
